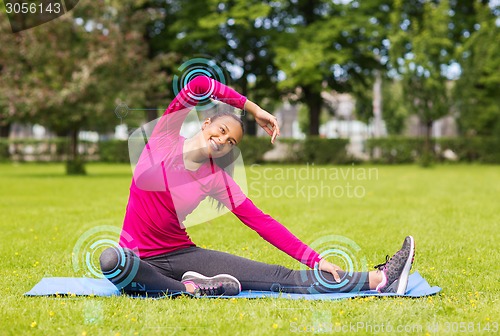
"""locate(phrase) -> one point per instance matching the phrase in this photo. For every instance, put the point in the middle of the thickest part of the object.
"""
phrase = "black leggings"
(161, 275)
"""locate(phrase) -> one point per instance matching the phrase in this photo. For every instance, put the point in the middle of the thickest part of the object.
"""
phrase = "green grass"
(452, 211)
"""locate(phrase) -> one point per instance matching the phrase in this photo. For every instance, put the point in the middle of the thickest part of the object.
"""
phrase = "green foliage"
(317, 150)
(235, 34)
(253, 148)
(72, 72)
(323, 151)
(419, 52)
(114, 151)
(76, 167)
(394, 109)
(395, 149)
(4, 150)
(329, 45)
(476, 92)
(423, 49)
(473, 149)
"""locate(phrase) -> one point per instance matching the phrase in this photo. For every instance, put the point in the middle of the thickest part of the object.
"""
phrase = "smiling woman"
(174, 175)
(219, 135)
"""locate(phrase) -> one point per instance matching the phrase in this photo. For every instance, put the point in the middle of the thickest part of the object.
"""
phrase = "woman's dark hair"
(226, 162)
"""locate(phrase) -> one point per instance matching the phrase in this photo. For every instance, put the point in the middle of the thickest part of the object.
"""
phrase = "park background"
(409, 88)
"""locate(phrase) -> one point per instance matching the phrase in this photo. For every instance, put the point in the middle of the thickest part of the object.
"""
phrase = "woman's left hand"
(265, 119)
(268, 122)
(329, 267)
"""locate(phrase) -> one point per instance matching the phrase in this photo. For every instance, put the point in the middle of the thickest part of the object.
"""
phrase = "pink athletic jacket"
(163, 192)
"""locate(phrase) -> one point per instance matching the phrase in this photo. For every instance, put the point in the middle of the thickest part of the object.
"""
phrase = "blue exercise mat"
(417, 287)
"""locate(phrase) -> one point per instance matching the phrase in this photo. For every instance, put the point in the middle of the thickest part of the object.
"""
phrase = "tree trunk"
(428, 152)
(5, 130)
(250, 125)
(75, 164)
(248, 122)
(313, 102)
(74, 145)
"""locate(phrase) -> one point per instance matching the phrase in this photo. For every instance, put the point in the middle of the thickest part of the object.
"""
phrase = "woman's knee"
(110, 258)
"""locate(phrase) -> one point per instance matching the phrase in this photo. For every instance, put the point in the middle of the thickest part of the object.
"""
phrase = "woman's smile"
(214, 145)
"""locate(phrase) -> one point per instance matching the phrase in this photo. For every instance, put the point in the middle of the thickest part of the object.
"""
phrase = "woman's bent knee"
(110, 258)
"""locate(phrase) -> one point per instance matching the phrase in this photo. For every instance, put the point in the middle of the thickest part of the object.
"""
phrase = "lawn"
(452, 211)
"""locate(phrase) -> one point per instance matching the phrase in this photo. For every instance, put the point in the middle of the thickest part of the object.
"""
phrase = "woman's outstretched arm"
(201, 88)
(279, 236)
(225, 190)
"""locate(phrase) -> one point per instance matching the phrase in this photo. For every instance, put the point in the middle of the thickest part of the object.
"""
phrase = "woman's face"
(221, 135)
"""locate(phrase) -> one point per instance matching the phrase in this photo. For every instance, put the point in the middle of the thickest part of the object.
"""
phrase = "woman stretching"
(173, 175)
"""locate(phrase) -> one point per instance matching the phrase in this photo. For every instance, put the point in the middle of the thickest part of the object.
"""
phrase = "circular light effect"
(89, 246)
(198, 67)
(90, 243)
(346, 254)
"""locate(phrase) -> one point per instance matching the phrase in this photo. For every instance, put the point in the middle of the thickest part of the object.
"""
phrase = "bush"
(474, 149)
(408, 150)
(490, 149)
(317, 150)
(395, 149)
(75, 167)
(295, 151)
(114, 151)
(253, 148)
(323, 151)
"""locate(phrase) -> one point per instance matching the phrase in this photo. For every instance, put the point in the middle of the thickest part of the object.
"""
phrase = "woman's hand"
(268, 122)
(265, 119)
(329, 267)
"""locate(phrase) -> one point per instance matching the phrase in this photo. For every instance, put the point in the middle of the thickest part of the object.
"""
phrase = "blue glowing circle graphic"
(198, 67)
(343, 252)
(91, 243)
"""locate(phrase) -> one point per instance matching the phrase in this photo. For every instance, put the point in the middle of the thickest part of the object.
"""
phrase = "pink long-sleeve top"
(163, 192)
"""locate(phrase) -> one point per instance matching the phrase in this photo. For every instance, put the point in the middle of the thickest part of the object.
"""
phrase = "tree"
(420, 48)
(395, 111)
(476, 92)
(237, 34)
(72, 72)
(394, 108)
(333, 45)
(249, 32)
(315, 44)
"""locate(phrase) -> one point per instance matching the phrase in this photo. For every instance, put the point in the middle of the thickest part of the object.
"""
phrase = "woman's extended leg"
(257, 275)
(134, 276)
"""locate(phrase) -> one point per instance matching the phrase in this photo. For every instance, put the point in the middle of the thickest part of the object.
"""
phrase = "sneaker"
(221, 284)
(395, 271)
